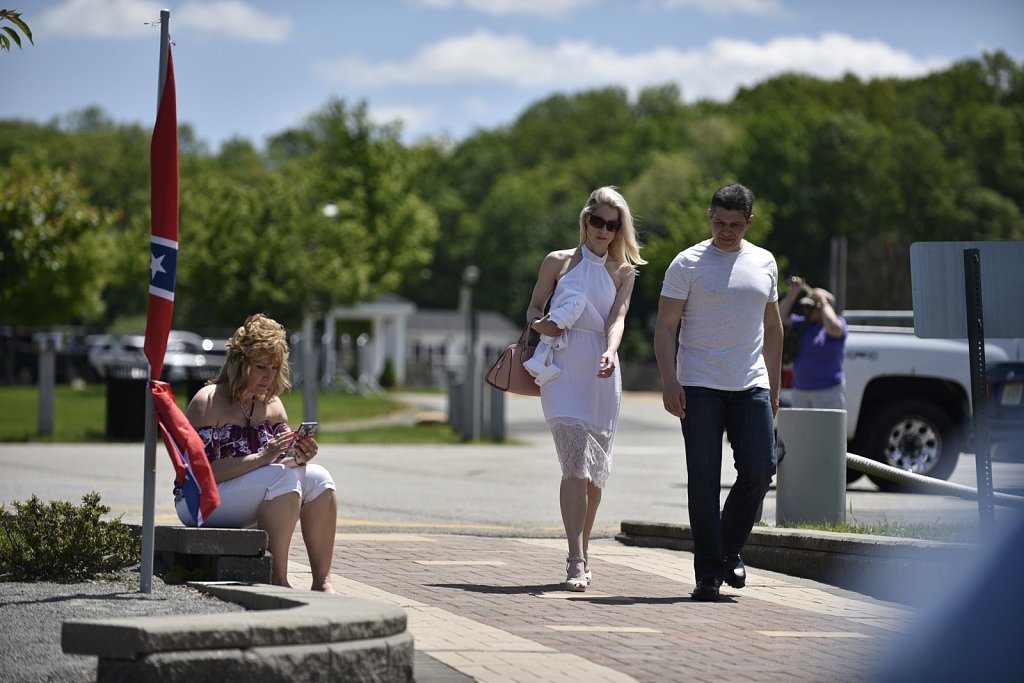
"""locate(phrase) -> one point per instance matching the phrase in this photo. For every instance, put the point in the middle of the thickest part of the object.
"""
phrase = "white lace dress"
(581, 408)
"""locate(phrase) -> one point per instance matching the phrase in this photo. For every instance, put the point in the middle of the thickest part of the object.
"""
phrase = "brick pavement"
(493, 609)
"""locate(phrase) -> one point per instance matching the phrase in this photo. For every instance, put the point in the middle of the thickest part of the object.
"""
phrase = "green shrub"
(388, 378)
(60, 541)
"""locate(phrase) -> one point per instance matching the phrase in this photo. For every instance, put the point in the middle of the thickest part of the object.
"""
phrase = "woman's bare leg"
(319, 526)
(572, 496)
(278, 518)
(593, 501)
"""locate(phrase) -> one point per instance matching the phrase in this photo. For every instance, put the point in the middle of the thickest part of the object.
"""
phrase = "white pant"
(833, 397)
(241, 497)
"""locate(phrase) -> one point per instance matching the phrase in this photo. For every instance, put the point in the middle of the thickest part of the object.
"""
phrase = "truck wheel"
(913, 435)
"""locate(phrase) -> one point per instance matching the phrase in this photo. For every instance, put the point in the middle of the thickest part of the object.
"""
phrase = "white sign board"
(937, 282)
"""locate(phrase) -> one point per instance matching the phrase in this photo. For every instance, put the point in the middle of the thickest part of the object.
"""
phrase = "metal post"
(47, 381)
(979, 392)
(837, 274)
(471, 385)
(149, 448)
(811, 482)
(310, 377)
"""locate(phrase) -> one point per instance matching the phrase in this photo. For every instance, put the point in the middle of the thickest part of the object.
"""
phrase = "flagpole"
(149, 466)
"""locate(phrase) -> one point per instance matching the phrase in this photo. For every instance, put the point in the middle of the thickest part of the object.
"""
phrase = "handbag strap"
(524, 338)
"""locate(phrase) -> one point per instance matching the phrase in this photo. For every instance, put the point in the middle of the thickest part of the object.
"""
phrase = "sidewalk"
(492, 609)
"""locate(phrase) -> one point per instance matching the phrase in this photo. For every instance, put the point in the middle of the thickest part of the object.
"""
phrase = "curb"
(282, 635)
(898, 569)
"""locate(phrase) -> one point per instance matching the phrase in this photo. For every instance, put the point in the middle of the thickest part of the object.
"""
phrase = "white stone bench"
(209, 554)
(285, 635)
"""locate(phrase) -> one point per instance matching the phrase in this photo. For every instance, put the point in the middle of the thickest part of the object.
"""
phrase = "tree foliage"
(881, 163)
(53, 247)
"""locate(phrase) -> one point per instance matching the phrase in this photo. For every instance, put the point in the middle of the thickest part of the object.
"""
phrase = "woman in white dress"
(581, 405)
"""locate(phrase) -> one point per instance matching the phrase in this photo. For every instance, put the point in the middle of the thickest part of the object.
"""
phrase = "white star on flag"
(155, 265)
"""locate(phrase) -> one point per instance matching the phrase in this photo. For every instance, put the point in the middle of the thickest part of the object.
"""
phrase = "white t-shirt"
(722, 328)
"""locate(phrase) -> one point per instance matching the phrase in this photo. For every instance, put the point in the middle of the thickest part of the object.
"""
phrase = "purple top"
(234, 441)
(818, 363)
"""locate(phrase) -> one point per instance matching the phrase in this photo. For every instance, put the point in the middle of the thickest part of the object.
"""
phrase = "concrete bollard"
(811, 479)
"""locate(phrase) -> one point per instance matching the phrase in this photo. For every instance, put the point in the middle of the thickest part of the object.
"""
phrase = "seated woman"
(263, 471)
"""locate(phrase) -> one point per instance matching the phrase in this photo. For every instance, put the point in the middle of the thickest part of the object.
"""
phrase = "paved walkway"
(493, 610)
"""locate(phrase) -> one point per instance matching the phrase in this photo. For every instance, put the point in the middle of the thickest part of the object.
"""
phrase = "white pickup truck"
(908, 400)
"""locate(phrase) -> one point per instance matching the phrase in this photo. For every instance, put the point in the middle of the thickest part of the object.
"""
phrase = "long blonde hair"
(624, 246)
(258, 339)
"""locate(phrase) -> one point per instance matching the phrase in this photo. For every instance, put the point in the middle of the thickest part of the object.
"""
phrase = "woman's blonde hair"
(623, 246)
(259, 339)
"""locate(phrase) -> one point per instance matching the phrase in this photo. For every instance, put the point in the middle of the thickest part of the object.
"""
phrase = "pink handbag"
(508, 373)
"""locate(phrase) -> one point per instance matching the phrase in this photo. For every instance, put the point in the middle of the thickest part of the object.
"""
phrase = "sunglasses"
(598, 222)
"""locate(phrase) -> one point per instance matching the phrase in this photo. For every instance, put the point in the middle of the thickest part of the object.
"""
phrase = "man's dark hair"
(733, 198)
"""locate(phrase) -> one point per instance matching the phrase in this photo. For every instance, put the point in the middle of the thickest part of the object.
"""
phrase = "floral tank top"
(234, 441)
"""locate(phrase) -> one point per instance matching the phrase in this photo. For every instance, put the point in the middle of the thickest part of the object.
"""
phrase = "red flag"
(192, 473)
(163, 259)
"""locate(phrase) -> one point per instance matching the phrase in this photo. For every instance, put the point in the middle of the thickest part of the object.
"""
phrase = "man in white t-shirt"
(721, 374)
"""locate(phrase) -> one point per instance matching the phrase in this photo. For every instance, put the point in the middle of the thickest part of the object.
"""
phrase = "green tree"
(52, 247)
(382, 231)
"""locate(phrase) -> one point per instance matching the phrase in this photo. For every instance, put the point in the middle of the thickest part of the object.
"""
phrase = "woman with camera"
(820, 335)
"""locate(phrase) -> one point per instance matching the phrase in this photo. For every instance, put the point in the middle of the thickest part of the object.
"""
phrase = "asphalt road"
(502, 490)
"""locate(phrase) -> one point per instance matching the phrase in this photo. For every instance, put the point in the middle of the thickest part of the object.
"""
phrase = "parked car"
(19, 355)
(188, 356)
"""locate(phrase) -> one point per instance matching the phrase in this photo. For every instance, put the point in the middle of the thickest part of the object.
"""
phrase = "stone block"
(360, 661)
(251, 569)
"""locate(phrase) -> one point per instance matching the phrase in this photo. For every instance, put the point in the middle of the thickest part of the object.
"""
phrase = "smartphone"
(305, 430)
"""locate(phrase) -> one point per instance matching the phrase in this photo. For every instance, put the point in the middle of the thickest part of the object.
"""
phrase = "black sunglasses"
(598, 222)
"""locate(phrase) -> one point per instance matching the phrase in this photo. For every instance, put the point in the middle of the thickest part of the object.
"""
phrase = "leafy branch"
(14, 17)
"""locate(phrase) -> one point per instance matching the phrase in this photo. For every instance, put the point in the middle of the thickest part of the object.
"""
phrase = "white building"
(422, 344)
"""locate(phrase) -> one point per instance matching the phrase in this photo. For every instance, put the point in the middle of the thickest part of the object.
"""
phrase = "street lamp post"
(471, 385)
(310, 376)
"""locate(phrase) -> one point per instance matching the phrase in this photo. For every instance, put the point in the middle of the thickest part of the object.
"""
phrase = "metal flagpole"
(149, 466)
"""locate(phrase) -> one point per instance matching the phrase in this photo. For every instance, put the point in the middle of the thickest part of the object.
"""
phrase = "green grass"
(426, 433)
(950, 533)
(80, 414)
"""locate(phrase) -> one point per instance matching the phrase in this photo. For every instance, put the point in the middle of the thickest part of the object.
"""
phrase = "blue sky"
(253, 68)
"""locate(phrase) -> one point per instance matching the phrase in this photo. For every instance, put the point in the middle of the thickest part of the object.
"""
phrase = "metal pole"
(837, 272)
(149, 463)
(474, 379)
(47, 381)
(310, 376)
(471, 384)
(979, 392)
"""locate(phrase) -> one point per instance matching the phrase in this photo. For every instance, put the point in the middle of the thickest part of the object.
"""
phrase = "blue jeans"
(746, 418)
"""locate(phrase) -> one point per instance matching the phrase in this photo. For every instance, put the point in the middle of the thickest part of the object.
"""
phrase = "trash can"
(811, 480)
(126, 402)
(197, 377)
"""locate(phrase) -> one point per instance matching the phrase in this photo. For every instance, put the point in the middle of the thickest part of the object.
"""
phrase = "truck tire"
(914, 435)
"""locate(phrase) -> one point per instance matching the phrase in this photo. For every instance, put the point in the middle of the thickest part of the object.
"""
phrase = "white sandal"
(587, 574)
(575, 584)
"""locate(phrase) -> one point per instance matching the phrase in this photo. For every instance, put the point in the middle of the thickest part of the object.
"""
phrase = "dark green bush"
(388, 377)
(60, 541)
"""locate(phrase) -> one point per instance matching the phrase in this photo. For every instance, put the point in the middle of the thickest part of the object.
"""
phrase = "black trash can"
(126, 402)
(197, 378)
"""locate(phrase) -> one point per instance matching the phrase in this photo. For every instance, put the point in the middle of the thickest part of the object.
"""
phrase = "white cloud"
(235, 19)
(761, 8)
(713, 71)
(414, 119)
(134, 18)
(547, 8)
(101, 18)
